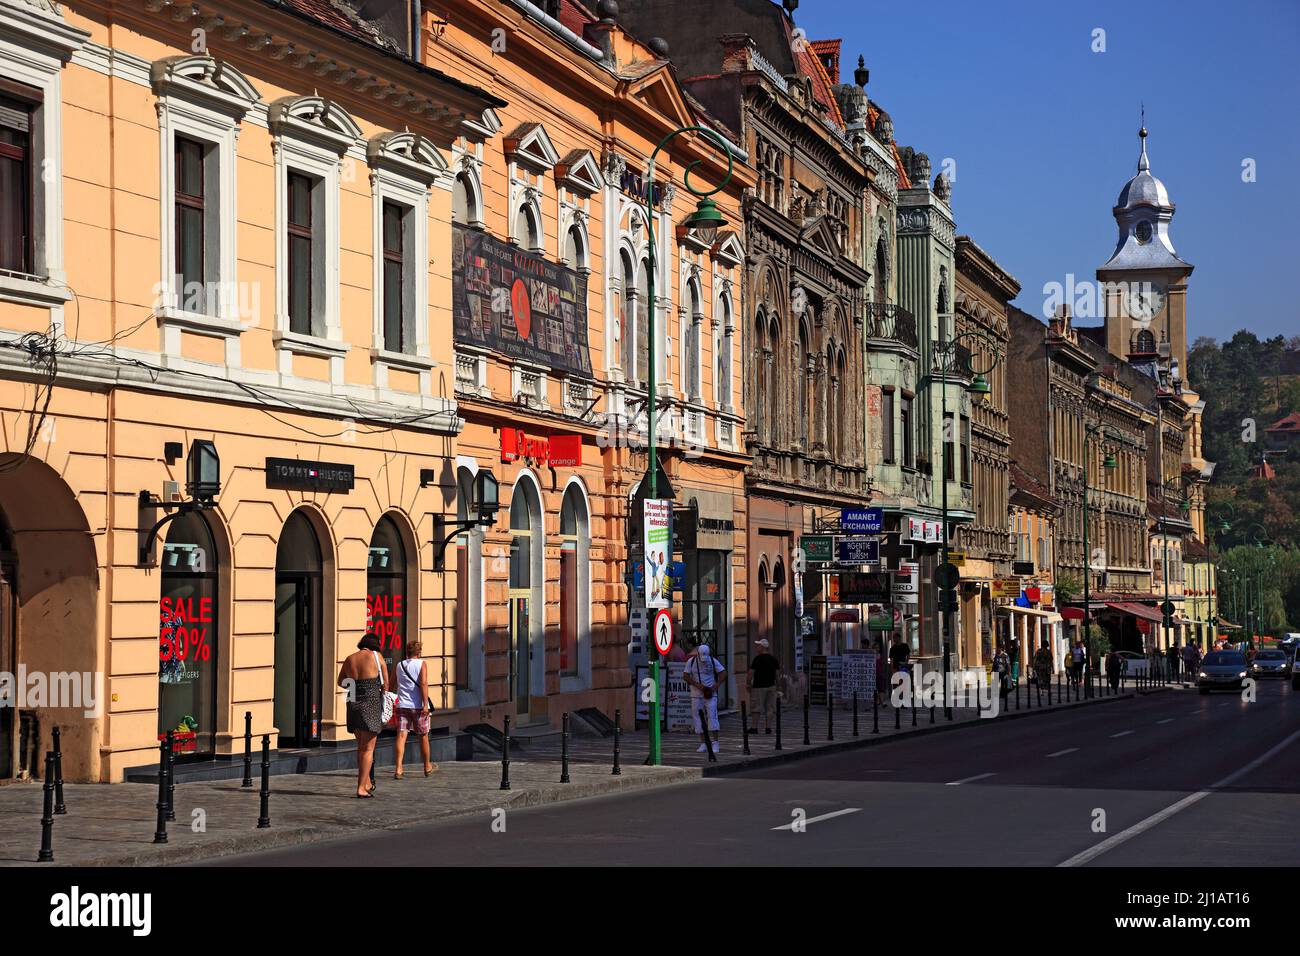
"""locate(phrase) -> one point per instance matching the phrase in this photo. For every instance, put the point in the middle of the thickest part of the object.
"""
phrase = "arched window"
(722, 356)
(643, 307)
(575, 248)
(832, 403)
(773, 381)
(469, 593)
(528, 230)
(526, 597)
(387, 604)
(843, 445)
(1146, 342)
(464, 201)
(575, 588)
(880, 280)
(628, 318)
(762, 377)
(691, 323)
(187, 636)
(805, 371)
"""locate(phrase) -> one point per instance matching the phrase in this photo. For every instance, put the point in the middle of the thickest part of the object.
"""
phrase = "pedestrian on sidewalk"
(1043, 665)
(1078, 657)
(882, 670)
(898, 654)
(368, 675)
(1002, 671)
(413, 707)
(1172, 656)
(704, 674)
(1015, 661)
(1114, 669)
(763, 672)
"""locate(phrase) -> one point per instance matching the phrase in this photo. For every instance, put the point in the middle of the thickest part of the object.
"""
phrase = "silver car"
(1271, 664)
(1227, 669)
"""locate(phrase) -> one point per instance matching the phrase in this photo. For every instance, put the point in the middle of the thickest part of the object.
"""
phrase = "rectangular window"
(887, 425)
(394, 228)
(191, 225)
(949, 445)
(299, 238)
(17, 186)
(965, 450)
(569, 609)
(905, 425)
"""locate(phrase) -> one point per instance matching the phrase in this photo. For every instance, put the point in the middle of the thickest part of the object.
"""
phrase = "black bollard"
(778, 723)
(564, 748)
(160, 831)
(171, 776)
(248, 749)
(505, 753)
(1017, 694)
(875, 713)
(913, 706)
(46, 854)
(898, 717)
(1038, 688)
(855, 713)
(807, 702)
(264, 815)
(744, 728)
(59, 807)
(708, 741)
(830, 716)
(932, 713)
(618, 734)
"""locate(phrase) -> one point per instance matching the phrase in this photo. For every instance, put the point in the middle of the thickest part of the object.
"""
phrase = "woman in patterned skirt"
(368, 675)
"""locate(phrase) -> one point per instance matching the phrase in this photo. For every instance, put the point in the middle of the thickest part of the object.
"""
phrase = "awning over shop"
(1138, 610)
(1072, 613)
(1048, 616)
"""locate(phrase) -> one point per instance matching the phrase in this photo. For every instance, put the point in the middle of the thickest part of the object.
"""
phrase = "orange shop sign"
(564, 451)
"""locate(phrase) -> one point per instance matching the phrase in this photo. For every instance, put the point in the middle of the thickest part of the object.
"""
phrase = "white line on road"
(824, 816)
(1141, 827)
(1167, 720)
(978, 776)
(1122, 733)
(1062, 753)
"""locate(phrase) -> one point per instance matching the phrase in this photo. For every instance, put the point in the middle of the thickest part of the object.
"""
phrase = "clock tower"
(1144, 283)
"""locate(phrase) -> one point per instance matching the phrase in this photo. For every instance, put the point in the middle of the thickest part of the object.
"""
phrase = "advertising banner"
(658, 537)
(518, 304)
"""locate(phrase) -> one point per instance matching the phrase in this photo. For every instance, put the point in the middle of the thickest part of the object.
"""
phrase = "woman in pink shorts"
(413, 706)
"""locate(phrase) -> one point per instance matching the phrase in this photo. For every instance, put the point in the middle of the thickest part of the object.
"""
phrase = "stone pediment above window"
(482, 127)
(728, 249)
(820, 234)
(212, 83)
(42, 27)
(530, 147)
(314, 118)
(578, 172)
(409, 155)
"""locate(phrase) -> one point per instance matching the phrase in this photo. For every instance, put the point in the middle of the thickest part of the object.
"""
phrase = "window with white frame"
(201, 102)
(311, 136)
(691, 323)
(722, 351)
(404, 167)
(35, 43)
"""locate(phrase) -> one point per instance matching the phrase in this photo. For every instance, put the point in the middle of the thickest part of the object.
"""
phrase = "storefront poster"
(798, 594)
(518, 304)
(859, 674)
(679, 698)
(906, 583)
(657, 535)
(817, 680)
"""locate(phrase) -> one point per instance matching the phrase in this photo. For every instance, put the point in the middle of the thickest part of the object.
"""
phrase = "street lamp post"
(705, 221)
(1184, 504)
(945, 353)
(1107, 462)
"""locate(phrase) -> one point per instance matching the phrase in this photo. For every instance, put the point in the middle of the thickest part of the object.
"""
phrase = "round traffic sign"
(664, 630)
(947, 575)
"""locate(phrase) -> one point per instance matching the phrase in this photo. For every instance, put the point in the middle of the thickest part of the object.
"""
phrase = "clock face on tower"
(1145, 300)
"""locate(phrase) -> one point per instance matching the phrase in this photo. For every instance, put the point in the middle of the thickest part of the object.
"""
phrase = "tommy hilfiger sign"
(298, 475)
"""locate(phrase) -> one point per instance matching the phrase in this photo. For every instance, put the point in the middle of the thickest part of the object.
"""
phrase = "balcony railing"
(886, 320)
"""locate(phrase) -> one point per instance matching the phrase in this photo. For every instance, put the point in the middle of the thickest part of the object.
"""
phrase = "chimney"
(736, 52)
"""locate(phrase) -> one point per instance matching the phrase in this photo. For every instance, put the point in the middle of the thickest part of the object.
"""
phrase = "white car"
(1135, 664)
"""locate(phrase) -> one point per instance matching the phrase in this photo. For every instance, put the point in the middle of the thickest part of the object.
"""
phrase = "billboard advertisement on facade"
(518, 304)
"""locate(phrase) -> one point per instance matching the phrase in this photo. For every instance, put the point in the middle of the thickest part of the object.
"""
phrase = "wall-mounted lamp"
(482, 508)
(202, 481)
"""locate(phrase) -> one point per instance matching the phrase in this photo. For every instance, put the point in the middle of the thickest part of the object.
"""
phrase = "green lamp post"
(1109, 462)
(705, 221)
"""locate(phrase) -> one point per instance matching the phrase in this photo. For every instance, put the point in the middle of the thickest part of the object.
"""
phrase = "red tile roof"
(574, 16)
(811, 67)
(329, 14)
(1289, 424)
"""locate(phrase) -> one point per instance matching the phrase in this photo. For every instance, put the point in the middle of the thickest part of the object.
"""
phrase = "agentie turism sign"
(518, 304)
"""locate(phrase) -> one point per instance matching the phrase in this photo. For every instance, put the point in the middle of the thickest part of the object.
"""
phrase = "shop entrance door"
(521, 657)
(298, 641)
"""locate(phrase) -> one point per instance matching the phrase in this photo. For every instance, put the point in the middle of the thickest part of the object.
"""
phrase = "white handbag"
(390, 698)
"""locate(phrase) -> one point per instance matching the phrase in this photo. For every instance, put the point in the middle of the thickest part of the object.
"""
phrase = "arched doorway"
(298, 645)
(527, 613)
(8, 644)
(187, 637)
(575, 587)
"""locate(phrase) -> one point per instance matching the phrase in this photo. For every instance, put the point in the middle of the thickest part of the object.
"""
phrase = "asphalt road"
(1176, 779)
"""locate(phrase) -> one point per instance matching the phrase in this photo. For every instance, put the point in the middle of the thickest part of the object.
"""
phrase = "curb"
(855, 743)
(257, 840)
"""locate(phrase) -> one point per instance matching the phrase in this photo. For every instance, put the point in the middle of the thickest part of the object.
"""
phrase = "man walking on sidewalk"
(763, 672)
(703, 673)
(1171, 657)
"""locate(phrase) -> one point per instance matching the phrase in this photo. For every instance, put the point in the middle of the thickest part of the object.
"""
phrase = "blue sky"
(1043, 132)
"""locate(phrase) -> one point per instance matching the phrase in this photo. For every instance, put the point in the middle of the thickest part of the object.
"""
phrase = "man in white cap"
(763, 672)
(704, 674)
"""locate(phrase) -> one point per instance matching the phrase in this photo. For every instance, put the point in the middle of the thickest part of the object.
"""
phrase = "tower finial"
(1144, 164)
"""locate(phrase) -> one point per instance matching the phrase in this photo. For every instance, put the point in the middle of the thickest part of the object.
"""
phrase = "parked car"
(1222, 669)
(1295, 670)
(1270, 663)
(1134, 664)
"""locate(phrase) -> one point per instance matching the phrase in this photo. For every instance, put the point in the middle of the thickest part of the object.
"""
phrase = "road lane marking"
(1062, 753)
(978, 776)
(1122, 733)
(1167, 720)
(1079, 859)
(824, 816)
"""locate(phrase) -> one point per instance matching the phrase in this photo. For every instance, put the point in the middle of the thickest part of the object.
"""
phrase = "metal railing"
(885, 320)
